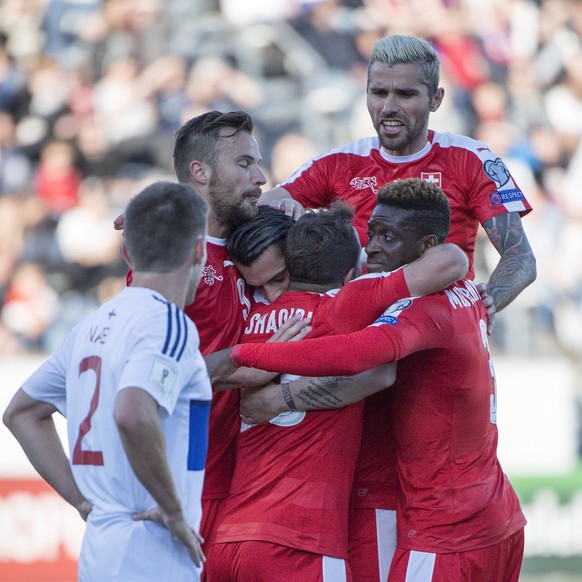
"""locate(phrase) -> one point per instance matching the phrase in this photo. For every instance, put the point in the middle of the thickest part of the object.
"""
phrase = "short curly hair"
(430, 212)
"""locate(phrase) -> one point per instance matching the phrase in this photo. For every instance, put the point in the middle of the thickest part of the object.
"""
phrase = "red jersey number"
(240, 287)
(80, 456)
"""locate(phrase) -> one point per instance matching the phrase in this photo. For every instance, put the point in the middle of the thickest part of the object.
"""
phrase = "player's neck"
(310, 287)
(216, 228)
(172, 286)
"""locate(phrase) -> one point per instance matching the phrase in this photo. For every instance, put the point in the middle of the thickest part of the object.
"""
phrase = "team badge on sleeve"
(390, 316)
(497, 171)
(162, 375)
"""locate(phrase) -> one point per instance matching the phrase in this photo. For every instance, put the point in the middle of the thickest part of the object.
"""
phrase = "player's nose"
(259, 177)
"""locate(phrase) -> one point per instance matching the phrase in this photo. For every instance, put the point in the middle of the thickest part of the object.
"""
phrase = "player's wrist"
(175, 516)
(287, 396)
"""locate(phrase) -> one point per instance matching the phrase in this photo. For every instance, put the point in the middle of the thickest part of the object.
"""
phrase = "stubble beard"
(232, 213)
(407, 138)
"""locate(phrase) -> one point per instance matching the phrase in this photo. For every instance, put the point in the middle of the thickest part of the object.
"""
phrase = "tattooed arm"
(517, 266)
(261, 404)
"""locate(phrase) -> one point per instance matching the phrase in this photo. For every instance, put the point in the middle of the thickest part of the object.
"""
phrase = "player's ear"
(199, 172)
(427, 242)
(199, 251)
(348, 276)
(437, 99)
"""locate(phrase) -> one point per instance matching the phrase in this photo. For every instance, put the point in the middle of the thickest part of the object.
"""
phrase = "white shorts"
(117, 549)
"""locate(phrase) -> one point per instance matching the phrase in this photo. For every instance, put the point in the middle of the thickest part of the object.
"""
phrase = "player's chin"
(374, 267)
(251, 200)
(249, 206)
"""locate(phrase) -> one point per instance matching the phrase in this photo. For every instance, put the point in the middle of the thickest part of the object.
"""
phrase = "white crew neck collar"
(216, 241)
(406, 159)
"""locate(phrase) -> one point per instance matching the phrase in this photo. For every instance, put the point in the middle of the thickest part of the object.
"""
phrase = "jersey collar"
(221, 242)
(406, 159)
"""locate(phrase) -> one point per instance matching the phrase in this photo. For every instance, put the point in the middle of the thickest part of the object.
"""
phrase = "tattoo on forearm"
(225, 384)
(287, 396)
(517, 266)
(319, 394)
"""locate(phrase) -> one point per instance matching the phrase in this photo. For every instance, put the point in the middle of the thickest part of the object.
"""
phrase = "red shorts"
(497, 563)
(372, 541)
(255, 561)
(210, 510)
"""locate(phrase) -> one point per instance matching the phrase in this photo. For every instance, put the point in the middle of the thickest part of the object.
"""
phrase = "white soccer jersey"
(136, 340)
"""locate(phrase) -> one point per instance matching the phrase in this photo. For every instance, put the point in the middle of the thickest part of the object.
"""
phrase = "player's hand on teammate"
(489, 305)
(289, 206)
(261, 404)
(180, 530)
(292, 330)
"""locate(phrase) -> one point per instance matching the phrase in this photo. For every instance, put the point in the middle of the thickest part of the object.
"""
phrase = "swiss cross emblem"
(432, 177)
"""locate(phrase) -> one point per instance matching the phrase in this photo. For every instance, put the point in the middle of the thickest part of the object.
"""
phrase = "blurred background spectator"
(91, 92)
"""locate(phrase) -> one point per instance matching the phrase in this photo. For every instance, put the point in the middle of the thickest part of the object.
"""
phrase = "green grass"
(551, 569)
(564, 485)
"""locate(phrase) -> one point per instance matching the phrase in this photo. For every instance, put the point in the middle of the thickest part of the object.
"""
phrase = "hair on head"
(323, 246)
(406, 48)
(197, 138)
(161, 224)
(269, 227)
(430, 212)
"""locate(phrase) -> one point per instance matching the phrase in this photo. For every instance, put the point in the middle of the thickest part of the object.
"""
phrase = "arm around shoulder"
(437, 268)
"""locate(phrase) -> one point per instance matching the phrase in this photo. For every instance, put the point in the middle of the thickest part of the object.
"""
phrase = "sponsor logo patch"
(390, 316)
(505, 196)
(432, 178)
(497, 171)
(162, 375)
(363, 183)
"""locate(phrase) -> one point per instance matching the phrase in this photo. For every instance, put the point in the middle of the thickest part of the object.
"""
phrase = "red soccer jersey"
(478, 186)
(455, 496)
(294, 474)
(375, 480)
(220, 309)
(476, 182)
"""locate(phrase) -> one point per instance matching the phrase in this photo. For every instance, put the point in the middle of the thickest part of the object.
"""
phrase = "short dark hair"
(161, 224)
(322, 246)
(197, 138)
(269, 227)
(430, 212)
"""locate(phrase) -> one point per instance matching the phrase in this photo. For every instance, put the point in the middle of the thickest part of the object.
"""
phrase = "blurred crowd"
(91, 92)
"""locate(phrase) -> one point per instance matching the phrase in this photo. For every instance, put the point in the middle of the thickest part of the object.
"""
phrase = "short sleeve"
(161, 357)
(48, 382)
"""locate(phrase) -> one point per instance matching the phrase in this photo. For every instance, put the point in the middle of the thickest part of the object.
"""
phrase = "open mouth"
(392, 126)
